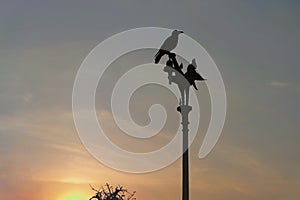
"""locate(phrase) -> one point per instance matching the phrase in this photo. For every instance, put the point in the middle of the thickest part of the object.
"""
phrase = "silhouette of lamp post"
(183, 81)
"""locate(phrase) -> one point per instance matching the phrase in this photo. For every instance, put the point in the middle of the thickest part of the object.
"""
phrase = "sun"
(73, 197)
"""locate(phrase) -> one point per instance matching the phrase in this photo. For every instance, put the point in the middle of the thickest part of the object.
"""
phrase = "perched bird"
(169, 44)
(192, 75)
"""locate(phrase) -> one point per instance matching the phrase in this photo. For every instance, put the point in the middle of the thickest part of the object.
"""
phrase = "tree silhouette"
(108, 192)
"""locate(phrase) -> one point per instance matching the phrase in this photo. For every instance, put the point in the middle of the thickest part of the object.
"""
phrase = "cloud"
(278, 84)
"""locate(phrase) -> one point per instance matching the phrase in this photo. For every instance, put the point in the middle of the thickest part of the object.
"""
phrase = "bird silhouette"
(192, 75)
(169, 44)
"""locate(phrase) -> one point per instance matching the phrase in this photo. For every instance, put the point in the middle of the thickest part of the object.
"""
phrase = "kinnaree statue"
(183, 80)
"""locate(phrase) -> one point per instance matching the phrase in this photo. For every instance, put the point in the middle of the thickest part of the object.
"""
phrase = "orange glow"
(73, 196)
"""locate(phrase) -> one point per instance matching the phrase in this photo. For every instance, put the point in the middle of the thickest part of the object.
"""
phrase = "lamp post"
(183, 81)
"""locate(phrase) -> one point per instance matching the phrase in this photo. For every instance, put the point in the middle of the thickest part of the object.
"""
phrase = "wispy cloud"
(278, 84)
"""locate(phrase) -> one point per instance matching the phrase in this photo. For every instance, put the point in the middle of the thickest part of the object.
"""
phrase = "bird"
(169, 44)
(192, 75)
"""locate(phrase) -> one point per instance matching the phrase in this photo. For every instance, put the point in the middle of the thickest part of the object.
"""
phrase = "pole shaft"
(185, 158)
(185, 171)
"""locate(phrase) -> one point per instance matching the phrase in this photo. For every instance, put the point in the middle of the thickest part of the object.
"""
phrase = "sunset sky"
(256, 46)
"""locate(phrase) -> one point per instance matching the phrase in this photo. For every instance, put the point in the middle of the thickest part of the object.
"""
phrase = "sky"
(255, 45)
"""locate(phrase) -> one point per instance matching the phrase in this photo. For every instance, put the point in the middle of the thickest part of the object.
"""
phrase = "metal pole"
(185, 109)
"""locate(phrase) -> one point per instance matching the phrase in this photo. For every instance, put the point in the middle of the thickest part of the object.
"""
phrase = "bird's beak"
(181, 32)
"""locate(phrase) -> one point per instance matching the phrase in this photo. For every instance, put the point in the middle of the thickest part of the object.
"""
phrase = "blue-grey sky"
(255, 44)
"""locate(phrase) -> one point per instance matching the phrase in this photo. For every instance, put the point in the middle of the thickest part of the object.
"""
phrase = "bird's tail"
(158, 56)
(158, 52)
